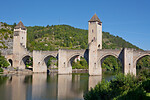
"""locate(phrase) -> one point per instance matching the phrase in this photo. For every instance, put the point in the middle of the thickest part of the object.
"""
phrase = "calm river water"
(47, 86)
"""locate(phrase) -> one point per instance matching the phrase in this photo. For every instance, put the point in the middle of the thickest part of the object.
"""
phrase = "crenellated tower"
(20, 32)
(95, 33)
(94, 43)
(19, 42)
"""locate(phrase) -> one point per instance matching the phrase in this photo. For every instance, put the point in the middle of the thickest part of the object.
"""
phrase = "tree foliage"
(65, 36)
(29, 62)
(112, 64)
(82, 64)
(143, 62)
(52, 62)
(3, 62)
(121, 88)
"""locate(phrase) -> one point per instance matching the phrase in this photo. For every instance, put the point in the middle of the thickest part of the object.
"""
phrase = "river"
(47, 86)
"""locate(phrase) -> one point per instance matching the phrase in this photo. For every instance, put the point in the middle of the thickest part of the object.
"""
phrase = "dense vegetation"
(143, 62)
(52, 62)
(65, 36)
(122, 88)
(5, 34)
(82, 64)
(29, 62)
(55, 37)
(3, 62)
(112, 64)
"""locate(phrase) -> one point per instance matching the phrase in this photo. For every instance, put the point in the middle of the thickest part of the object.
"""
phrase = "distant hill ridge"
(60, 36)
(65, 36)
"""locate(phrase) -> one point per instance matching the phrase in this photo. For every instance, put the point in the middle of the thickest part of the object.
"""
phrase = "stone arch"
(46, 58)
(72, 57)
(138, 58)
(10, 62)
(24, 58)
(49, 55)
(103, 57)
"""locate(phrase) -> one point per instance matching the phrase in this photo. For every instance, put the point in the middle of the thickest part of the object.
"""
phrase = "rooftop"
(20, 25)
(95, 19)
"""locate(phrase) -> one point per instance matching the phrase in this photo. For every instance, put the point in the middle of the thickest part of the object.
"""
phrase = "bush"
(143, 74)
(122, 83)
(3, 61)
(120, 88)
(134, 94)
(100, 92)
(146, 85)
(82, 64)
(112, 64)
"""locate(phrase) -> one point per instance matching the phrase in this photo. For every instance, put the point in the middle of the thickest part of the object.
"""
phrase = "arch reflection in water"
(43, 86)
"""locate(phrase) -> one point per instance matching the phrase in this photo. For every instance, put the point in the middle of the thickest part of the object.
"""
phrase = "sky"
(129, 19)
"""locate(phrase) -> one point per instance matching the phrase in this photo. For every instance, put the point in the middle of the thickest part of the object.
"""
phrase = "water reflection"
(45, 87)
(94, 80)
(38, 86)
(11, 89)
(64, 87)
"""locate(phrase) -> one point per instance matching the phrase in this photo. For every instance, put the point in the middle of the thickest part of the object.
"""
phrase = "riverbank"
(27, 71)
(12, 71)
(73, 71)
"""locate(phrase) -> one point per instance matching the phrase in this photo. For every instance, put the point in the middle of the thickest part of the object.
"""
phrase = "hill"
(65, 36)
(6, 38)
(58, 36)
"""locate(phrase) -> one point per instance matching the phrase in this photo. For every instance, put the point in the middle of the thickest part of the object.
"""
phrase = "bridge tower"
(19, 42)
(94, 43)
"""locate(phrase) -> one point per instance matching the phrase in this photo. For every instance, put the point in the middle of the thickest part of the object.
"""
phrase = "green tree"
(51, 62)
(3, 62)
(120, 88)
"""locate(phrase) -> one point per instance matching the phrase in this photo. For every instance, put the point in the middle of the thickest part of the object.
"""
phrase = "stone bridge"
(127, 56)
(94, 55)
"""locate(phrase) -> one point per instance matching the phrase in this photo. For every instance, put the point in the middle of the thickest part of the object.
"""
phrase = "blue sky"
(128, 19)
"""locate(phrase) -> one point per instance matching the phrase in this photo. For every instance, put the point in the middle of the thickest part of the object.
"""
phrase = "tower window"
(94, 38)
(22, 37)
(99, 23)
(92, 30)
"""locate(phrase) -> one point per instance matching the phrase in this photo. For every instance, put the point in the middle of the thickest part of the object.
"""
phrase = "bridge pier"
(128, 62)
(94, 67)
(38, 65)
(63, 67)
